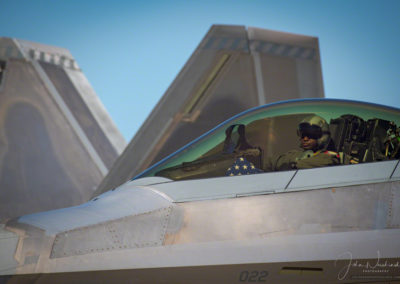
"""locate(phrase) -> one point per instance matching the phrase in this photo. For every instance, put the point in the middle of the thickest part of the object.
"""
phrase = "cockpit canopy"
(360, 133)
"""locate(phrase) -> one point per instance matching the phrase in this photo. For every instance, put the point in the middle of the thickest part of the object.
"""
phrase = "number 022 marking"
(253, 276)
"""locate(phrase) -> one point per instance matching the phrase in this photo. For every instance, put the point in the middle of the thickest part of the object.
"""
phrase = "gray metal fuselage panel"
(146, 224)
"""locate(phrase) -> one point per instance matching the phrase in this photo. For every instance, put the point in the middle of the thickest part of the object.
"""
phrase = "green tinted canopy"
(270, 130)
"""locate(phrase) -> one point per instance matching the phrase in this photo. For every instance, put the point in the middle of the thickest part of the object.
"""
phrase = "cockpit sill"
(272, 182)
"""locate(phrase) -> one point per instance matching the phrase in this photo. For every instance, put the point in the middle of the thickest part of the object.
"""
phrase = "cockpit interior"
(359, 133)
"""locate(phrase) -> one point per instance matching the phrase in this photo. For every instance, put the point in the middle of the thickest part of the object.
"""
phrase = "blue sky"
(132, 50)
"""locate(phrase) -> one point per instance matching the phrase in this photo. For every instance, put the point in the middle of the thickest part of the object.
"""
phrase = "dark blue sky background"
(132, 50)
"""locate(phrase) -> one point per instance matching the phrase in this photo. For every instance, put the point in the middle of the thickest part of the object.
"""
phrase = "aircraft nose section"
(8, 247)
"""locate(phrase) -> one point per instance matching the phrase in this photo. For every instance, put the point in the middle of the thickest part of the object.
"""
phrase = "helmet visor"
(311, 131)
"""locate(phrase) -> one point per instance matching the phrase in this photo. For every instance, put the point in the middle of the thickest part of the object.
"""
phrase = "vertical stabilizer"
(57, 141)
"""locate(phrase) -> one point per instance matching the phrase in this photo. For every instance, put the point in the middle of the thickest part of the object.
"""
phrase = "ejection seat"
(360, 141)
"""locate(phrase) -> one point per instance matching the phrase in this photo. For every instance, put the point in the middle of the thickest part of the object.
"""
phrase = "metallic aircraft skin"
(49, 116)
(320, 225)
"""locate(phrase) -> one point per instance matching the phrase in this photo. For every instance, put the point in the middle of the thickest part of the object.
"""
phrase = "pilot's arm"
(282, 162)
(319, 159)
(297, 159)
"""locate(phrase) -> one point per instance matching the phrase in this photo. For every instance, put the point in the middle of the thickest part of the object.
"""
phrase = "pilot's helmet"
(315, 127)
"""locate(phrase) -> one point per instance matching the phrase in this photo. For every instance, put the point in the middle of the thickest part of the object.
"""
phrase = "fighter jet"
(192, 219)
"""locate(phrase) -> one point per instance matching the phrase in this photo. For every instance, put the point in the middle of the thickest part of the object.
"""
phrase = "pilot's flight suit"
(300, 159)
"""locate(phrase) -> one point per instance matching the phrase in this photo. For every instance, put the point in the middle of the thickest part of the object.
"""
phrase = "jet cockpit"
(359, 133)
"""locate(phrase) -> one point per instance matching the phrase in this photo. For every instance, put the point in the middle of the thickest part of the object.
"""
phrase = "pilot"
(314, 135)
